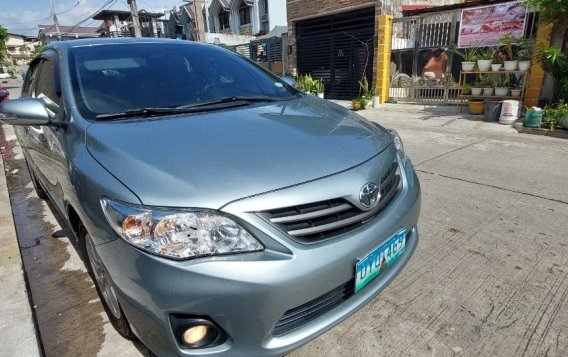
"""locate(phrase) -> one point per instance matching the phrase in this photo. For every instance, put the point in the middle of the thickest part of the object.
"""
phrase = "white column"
(255, 17)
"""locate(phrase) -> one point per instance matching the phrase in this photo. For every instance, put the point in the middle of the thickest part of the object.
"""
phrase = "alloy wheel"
(102, 278)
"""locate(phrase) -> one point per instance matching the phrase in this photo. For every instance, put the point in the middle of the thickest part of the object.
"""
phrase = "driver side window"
(46, 88)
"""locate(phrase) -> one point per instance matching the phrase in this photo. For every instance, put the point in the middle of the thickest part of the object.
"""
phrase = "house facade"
(228, 22)
(118, 23)
(20, 48)
(245, 17)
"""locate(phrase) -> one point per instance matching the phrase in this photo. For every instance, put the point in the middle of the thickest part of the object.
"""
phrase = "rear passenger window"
(46, 82)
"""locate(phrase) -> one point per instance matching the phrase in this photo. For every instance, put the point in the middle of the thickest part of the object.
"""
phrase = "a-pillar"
(383, 57)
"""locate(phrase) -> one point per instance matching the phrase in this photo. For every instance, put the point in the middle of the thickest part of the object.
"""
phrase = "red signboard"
(484, 25)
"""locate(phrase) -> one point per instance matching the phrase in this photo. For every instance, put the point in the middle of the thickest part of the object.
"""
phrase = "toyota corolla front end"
(218, 210)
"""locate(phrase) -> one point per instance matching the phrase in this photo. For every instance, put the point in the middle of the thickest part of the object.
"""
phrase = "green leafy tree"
(550, 10)
(3, 38)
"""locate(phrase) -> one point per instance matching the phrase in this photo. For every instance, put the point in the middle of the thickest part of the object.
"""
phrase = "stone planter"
(484, 65)
(468, 66)
(496, 67)
(476, 91)
(524, 65)
(510, 65)
(501, 91)
(488, 91)
(320, 95)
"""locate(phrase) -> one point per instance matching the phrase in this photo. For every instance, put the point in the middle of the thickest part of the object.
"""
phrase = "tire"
(104, 285)
(40, 192)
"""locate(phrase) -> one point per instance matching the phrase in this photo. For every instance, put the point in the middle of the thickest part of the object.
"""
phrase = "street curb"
(17, 329)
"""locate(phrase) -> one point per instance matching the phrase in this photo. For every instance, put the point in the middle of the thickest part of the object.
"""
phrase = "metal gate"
(415, 40)
(266, 52)
(339, 50)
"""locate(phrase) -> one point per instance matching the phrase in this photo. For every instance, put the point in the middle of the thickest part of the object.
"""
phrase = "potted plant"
(476, 88)
(501, 84)
(319, 88)
(468, 56)
(487, 86)
(525, 53)
(516, 86)
(302, 84)
(356, 104)
(498, 58)
(484, 59)
(366, 93)
(507, 41)
(466, 89)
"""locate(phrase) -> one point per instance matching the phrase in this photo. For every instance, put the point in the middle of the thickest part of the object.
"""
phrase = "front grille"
(302, 314)
(317, 221)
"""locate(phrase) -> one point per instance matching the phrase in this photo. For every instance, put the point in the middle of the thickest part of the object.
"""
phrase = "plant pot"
(376, 101)
(320, 95)
(308, 92)
(496, 67)
(524, 65)
(356, 105)
(476, 91)
(468, 66)
(501, 91)
(476, 107)
(484, 65)
(515, 92)
(488, 91)
(369, 103)
(510, 65)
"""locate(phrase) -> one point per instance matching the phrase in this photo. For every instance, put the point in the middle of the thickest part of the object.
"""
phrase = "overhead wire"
(106, 5)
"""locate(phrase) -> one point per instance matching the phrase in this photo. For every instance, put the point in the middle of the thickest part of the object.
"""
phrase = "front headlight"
(178, 234)
(398, 145)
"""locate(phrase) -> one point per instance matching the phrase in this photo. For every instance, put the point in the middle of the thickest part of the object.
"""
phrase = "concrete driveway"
(490, 275)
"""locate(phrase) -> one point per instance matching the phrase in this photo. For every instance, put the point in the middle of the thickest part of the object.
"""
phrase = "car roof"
(118, 40)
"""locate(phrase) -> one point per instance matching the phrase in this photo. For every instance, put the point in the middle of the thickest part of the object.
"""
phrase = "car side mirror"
(289, 80)
(24, 111)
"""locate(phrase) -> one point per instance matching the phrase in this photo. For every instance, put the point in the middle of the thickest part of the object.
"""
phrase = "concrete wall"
(227, 39)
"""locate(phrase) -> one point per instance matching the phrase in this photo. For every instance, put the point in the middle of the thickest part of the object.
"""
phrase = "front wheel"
(105, 287)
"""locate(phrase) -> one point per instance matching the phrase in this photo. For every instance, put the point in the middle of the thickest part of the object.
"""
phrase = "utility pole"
(199, 20)
(135, 21)
(54, 15)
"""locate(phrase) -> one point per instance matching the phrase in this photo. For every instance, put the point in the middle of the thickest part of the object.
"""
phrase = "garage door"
(333, 48)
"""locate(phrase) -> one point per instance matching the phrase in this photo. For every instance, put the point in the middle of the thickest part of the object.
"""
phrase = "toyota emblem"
(370, 195)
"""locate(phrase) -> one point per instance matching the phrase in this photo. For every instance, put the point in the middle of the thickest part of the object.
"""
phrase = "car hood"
(210, 159)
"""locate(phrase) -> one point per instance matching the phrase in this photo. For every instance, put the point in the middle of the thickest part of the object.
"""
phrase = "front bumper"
(247, 294)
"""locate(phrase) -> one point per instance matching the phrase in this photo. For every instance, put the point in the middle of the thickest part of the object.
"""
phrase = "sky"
(22, 16)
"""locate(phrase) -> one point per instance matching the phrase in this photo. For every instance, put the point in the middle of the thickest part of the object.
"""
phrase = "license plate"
(374, 263)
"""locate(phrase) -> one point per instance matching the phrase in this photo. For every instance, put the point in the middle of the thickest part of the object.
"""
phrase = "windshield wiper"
(221, 103)
(140, 112)
(234, 99)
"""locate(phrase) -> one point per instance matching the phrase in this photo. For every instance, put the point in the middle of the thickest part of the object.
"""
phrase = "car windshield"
(116, 78)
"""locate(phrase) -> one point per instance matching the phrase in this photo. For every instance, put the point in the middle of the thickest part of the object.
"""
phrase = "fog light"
(194, 335)
(197, 332)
